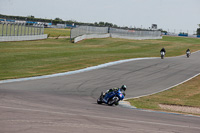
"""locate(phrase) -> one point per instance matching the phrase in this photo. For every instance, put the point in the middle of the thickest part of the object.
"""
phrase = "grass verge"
(42, 57)
(54, 32)
(184, 95)
(34, 58)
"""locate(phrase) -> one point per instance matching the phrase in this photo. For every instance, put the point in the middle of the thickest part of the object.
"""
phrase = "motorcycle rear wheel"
(113, 100)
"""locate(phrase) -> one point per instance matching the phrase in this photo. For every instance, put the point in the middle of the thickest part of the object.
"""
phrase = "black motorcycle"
(162, 54)
(188, 54)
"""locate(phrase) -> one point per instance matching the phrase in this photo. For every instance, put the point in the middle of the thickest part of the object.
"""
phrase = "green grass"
(33, 58)
(53, 32)
(187, 94)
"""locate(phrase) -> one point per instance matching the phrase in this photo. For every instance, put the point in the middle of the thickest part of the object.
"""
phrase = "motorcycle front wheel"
(99, 101)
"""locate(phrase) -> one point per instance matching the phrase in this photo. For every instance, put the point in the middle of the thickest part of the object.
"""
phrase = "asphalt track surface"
(67, 104)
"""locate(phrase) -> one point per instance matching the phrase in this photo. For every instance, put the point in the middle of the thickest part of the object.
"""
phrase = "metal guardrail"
(135, 33)
(82, 30)
(20, 29)
(115, 33)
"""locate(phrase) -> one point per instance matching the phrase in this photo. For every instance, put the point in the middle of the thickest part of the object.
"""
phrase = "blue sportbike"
(111, 98)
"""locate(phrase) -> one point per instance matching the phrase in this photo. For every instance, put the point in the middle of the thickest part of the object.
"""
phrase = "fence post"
(2, 29)
(39, 26)
(28, 29)
(40, 29)
(34, 29)
(24, 29)
(31, 29)
(10, 28)
(37, 29)
(21, 29)
(17, 29)
(14, 30)
(6, 29)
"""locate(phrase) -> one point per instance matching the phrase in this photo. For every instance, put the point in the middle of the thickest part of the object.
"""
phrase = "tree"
(101, 24)
(58, 19)
(115, 26)
(108, 24)
(31, 16)
(96, 24)
(198, 31)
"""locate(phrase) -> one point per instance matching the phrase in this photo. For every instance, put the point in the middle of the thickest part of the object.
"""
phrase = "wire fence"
(135, 33)
(82, 30)
(115, 33)
(20, 29)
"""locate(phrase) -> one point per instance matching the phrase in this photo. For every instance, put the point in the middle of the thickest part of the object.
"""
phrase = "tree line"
(55, 21)
(198, 30)
(70, 22)
(60, 21)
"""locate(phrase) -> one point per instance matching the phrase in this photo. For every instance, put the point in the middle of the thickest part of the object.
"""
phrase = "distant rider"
(163, 50)
(188, 50)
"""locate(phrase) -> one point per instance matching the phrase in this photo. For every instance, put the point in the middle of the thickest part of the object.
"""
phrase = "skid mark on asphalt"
(100, 117)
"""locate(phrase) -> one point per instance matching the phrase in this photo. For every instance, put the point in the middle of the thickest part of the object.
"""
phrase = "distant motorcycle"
(162, 54)
(111, 98)
(188, 54)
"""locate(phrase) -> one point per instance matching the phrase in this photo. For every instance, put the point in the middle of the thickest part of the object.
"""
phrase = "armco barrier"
(77, 39)
(22, 38)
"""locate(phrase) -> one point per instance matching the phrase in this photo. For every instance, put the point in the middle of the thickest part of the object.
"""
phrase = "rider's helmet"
(123, 87)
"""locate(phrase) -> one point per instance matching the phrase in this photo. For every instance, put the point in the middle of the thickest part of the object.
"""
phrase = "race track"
(67, 104)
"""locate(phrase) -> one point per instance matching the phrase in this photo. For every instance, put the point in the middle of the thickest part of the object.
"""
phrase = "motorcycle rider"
(162, 53)
(163, 50)
(122, 89)
(188, 52)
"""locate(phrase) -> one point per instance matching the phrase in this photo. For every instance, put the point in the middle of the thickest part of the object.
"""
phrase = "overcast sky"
(167, 14)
